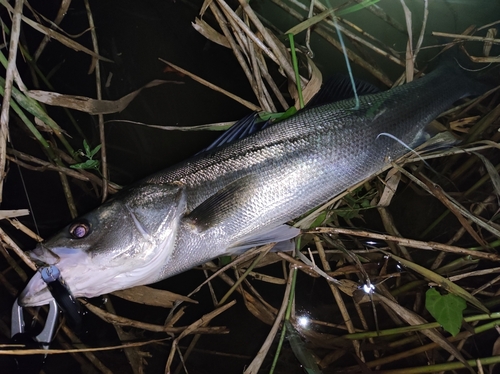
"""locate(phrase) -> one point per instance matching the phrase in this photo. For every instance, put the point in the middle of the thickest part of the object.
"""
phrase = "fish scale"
(241, 194)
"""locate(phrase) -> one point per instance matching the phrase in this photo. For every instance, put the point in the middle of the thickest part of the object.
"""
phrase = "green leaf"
(319, 220)
(89, 164)
(300, 350)
(87, 148)
(95, 150)
(224, 260)
(366, 203)
(441, 281)
(446, 309)
(265, 116)
(348, 213)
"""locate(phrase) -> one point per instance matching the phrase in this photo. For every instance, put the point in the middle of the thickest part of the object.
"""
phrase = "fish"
(242, 193)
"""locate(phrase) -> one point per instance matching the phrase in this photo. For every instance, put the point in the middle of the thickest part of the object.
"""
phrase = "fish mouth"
(84, 275)
(36, 292)
(73, 266)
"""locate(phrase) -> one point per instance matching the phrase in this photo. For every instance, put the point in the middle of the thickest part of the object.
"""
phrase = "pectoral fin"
(222, 204)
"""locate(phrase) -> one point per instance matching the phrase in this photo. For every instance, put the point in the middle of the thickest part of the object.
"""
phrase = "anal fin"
(282, 235)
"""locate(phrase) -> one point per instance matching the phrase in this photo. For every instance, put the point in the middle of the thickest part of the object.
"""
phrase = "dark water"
(135, 34)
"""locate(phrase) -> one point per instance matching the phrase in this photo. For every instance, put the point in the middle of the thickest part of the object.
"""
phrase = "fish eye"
(79, 230)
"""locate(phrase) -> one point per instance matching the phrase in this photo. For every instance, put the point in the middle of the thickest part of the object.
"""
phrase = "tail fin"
(478, 78)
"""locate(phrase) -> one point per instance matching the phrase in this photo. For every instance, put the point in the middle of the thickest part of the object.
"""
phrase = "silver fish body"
(235, 196)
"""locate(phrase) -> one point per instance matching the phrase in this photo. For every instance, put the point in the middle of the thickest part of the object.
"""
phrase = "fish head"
(123, 243)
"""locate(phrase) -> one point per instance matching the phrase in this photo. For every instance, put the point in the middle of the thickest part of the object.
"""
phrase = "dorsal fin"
(246, 126)
(337, 88)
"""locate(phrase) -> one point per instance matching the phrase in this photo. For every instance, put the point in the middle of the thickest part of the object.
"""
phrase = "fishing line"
(473, 70)
(344, 52)
(25, 190)
(407, 147)
(418, 155)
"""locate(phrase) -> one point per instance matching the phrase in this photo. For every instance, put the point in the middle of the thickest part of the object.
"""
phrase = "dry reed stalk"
(135, 357)
(412, 352)
(14, 266)
(270, 40)
(24, 352)
(67, 41)
(477, 212)
(18, 225)
(338, 298)
(11, 213)
(256, 363)
(63, 10)
(239, 25)
(122, 321)
(239, 50)
(422, 30)
(365, 34)
(327, 35)
(409, 44)
(44, 165)
(391, 229)
(409, 242)
(214, 87)
(270, 81)
(366, 43)
(250, 59)
(379, 12)
(96, 66)
(458, 209)
(9, 78)
(486, 285)
(194, 327)
(415, 319)
(11, 244)
(466, 37)
(441, 196)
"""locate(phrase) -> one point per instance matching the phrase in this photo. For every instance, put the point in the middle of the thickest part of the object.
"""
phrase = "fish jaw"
(73, 267)
(88, 276)
(84, 277)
